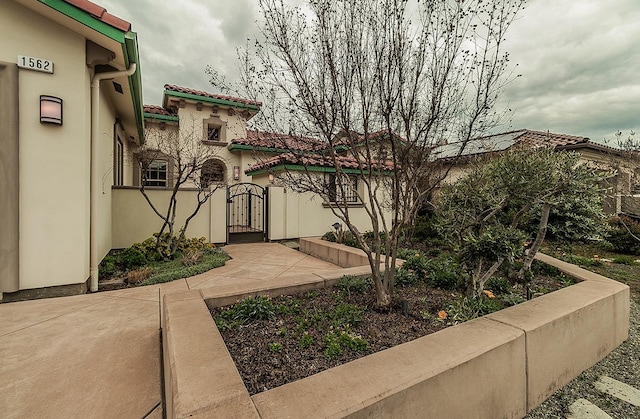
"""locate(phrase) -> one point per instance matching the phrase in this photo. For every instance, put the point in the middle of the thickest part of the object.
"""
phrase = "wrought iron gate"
(246, 215)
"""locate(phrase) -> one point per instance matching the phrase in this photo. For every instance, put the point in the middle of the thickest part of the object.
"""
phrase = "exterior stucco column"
(9, 179)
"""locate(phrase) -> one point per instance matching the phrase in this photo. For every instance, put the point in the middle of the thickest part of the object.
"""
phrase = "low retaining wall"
(501, 365)
(338, 254)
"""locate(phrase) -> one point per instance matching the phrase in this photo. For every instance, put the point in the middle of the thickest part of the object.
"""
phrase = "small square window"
(213, 133)
(343, 189)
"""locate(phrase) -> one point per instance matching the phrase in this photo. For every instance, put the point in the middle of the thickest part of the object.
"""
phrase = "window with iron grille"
(343, 189)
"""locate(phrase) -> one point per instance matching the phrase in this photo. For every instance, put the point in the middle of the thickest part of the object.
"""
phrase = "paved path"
(98, 355)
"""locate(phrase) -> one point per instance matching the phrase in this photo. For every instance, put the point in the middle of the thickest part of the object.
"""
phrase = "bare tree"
(176, 158)
(380, 83)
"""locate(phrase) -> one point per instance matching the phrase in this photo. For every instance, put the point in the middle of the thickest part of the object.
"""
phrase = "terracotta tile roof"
(315, 160)
(101, 14)
(174, 88)
(360, 138)
(280, 141)
(540, 138)
(158, 110)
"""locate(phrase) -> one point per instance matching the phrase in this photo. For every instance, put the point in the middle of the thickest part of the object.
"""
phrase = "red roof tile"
(158, 110)
(540, 138)
(280, 141)
(101, 14)
(174, 88)
(316, 160)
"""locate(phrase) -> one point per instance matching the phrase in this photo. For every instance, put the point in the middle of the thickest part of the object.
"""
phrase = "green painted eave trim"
(86, 19)
(221, 102)
(129, 42)
(132, 55)
(319, 169)
(156, 117)
(244, 147)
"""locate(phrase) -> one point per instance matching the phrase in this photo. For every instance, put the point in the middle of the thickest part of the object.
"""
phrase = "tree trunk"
(537, 243)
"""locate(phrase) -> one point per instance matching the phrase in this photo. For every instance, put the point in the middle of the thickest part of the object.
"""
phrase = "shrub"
(346, 314)
(108, 266)
(336, 341)
(405, 278)
(354, 284)
(445, 273)
(541, 268)
(417, 264)
(306, 340)
(131, 258)
(253, 308)
(620, 238)
(498, 285)
(585, 262)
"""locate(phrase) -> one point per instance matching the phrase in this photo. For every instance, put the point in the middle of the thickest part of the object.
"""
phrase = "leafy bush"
(541, 268)
(131, 258)
(354, 284)
(621, 239)
(417, 264)
(156, 250)
(346, 314)
(345, 237)
(251, 308)
(498, 285)
(445, 273)
(108, 267)
(405, 278)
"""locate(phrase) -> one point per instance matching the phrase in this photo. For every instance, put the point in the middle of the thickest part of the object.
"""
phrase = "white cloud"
(578, 59)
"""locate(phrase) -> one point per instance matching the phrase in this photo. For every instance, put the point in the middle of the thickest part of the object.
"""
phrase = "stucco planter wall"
(501, 365)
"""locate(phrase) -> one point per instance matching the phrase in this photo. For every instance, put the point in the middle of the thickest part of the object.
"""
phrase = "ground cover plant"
(602, 258)
(148, 262)
(274, 341)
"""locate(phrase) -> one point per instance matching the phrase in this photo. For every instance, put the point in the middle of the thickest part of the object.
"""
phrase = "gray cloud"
(579, 60)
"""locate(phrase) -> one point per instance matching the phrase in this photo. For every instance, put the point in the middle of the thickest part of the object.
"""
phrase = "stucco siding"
(54, 183)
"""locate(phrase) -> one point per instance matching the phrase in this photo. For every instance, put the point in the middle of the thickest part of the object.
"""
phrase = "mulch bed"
(268, 352)
(263, 368)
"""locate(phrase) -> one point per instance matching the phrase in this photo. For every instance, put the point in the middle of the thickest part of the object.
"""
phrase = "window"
(213, 133)
(212, 171)
(156, 173)
(118, 164)
(343, 188)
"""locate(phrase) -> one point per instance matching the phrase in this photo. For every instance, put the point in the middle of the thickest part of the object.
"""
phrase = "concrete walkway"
(98, 355)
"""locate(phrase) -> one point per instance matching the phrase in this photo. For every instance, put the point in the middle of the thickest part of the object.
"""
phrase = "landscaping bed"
(280, 340)
(142, 264)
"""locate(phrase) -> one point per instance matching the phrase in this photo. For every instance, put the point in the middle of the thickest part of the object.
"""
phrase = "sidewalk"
(98, 355)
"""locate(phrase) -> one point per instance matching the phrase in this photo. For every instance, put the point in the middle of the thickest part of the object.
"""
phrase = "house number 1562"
(37, 64)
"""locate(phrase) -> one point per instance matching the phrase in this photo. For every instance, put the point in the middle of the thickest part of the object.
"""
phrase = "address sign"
(37, 64)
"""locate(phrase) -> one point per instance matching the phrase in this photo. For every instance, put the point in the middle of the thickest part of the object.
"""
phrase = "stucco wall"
(54, 182)
(134, 221)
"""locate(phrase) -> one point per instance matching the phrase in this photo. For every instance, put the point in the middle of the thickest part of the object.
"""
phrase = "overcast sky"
(579, 59)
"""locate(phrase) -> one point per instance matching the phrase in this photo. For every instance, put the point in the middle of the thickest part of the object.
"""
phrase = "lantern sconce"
(50, 110)
(271, 178)
(236, 172)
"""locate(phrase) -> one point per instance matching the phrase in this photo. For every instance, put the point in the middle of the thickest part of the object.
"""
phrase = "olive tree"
(488, 214)
(380, 83)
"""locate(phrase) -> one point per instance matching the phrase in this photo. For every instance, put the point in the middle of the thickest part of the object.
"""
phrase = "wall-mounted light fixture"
(50, 110)
(271, 178)
(236, 172)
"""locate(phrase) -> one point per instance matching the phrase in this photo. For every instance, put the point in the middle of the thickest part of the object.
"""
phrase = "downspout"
(95, 175)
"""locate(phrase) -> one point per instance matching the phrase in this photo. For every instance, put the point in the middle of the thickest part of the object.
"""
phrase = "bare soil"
(270, 353)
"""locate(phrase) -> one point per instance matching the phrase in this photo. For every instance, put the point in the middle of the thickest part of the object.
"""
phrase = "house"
(72, 130)
(624, 186)
(254, 206)
(71, 96)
